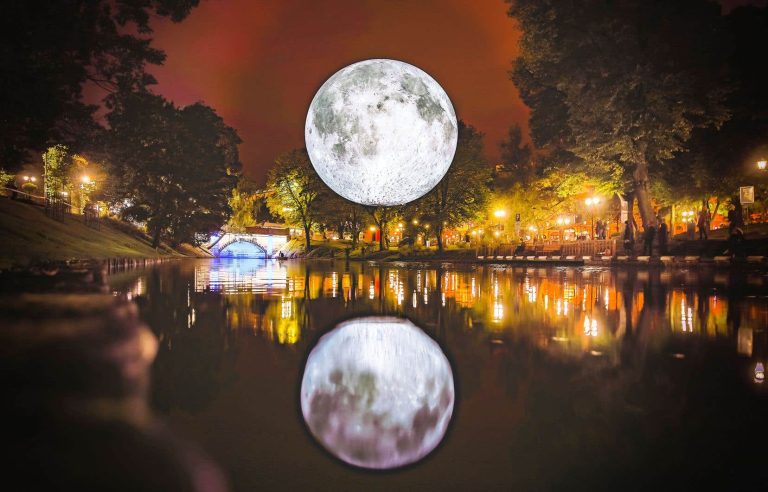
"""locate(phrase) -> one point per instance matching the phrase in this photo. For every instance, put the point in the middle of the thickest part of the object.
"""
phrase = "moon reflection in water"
(377, 392)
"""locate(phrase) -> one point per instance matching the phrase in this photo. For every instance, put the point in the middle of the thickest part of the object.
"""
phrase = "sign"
(624, 210)
(517, 217)
(747, 195)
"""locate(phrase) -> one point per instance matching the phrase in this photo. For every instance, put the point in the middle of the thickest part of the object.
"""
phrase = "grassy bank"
(29, 236)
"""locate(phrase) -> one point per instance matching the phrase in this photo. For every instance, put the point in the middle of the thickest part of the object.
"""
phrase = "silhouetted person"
(520, 249)
(13, 188)
(648, 236)
(663, 237)
(629, 237)
(735, 218)
(703, 224)
(736, 242)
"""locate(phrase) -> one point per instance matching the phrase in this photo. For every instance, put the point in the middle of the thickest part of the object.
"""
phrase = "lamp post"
(762, 164)
(591, 203)
(499, 214)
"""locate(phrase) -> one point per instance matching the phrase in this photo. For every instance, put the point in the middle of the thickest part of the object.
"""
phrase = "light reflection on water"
(582, 308)
(533, 349)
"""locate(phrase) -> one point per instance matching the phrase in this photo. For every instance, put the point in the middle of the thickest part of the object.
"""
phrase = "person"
(629, 237)
(735, 242)
(281, 255)
(663, 236)
(703, 223)
(650, 234)
(691, 230)
(520, 248)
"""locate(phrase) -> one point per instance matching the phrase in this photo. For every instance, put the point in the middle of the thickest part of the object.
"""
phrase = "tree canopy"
(177, 166)
(294, 188)
(621, 85)
(50, 48)
(463, 192)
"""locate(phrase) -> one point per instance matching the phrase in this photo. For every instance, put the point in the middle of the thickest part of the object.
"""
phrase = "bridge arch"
(247, 245)
(242, 249)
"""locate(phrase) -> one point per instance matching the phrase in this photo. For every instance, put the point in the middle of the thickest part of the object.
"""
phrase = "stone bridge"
(256, 242)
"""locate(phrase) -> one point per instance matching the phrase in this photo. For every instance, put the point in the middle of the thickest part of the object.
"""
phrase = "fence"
(597, 247)
(55, 208)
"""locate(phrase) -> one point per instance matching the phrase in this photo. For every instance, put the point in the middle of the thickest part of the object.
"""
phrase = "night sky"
(259, 62)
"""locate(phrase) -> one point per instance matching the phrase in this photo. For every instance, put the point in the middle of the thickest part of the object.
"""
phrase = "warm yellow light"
(500, 213)
(474, 232)
(26, 178)
(400, 225)
(497, 233)
(566, 221)
(373, 228)
(85, 179)
(33, 179)
(761, 164)
(415, 222)
(426, 226)
(532, 228)
(560, 221)
(287, 209)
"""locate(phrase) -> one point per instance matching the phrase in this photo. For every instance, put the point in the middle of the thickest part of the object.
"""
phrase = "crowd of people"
(659, 234)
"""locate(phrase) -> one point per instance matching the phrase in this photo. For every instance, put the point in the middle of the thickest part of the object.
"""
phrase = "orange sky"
(259, 62)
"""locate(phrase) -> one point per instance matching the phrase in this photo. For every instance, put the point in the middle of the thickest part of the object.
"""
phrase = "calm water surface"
(566, 378)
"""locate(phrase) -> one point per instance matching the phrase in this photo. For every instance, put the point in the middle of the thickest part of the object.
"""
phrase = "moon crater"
(377, 392)
(381, 132)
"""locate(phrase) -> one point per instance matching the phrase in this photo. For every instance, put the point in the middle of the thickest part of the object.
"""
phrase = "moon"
(381, 132)
(377, 392)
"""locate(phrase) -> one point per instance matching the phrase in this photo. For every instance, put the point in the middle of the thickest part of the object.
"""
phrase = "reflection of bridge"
(256, 242)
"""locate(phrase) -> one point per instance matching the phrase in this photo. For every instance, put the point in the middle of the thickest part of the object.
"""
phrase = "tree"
(516, 155)
(382, 216)
(51, 48)
(621, 84)
(246, 201)
(342, 214)
(463, 191)
(171, 168)
(57, 163)
(293, 188)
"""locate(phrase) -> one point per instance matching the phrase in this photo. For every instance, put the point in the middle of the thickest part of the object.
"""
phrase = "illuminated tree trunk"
(642, 194)
(307, 237)
(439, 231)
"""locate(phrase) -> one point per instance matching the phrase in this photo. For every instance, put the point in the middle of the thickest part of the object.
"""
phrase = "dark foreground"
(567, 378)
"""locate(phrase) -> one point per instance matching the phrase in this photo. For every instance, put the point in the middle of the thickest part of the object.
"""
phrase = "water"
(566, 378)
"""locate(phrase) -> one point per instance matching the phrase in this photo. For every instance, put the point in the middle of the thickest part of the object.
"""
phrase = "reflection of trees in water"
(194, 338)
(590, 423)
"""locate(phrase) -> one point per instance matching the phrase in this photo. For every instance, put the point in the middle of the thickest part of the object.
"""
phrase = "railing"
(602, 247)
(55, 208)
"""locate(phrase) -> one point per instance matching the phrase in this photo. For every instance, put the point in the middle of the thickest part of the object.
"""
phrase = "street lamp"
(762, 164)
(591, 203)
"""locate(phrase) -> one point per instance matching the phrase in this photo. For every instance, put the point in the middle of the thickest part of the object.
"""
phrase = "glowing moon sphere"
(377, 392)
(381, 132)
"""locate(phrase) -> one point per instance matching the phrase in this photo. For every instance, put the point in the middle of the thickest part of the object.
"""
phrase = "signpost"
(747, 197)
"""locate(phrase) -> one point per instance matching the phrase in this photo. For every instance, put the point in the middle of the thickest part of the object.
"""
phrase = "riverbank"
(30, 237)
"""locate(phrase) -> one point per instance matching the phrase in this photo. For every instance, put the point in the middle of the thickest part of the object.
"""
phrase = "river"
(566, 378)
